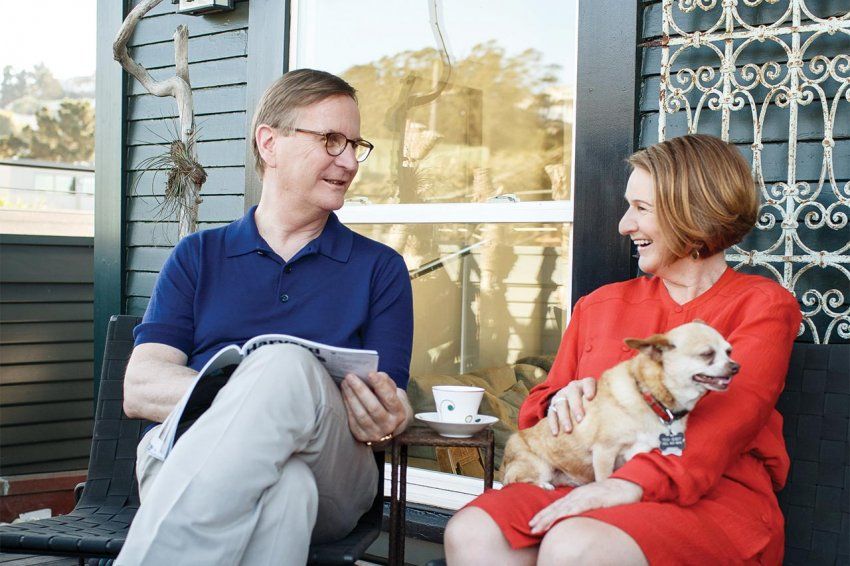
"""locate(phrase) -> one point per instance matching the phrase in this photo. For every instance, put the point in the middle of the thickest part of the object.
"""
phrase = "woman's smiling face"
(640, 223)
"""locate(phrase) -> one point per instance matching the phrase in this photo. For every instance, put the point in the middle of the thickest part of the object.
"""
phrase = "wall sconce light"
(197, 7)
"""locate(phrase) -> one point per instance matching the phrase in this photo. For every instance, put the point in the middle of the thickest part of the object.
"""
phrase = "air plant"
(185, 176)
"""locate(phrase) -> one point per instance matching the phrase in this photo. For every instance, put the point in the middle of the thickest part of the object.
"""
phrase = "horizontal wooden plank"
(166, 8)
(206, 74)
(214, 208)
(45, 292)
(211, 153)
(49, 241)
(207, 101)
(141, 233)
(809, 125)
(147, 259)
(136, 305)
(45, 467)
(140, 284)
(47, 371)
(47, 412)
(47, 264)
(45, 332)
(45, 432)
(229, 126)
(51, 352)
(650, 89)
(46, 451)
(764, 14)
(774, 161)
(220, 181)
(147, 233)
(46, 312)
(204, 48)
(155, 29)
(31, 393)
(756, 53)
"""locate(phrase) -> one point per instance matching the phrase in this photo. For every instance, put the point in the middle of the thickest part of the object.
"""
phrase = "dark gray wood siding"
(46, 353)
(217, 69)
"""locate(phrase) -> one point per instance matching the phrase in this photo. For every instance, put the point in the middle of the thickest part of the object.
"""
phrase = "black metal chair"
(98, 525)
(815, 406)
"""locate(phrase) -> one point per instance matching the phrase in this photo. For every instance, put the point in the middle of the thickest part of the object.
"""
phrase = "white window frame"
(558, 212)
(440, 489)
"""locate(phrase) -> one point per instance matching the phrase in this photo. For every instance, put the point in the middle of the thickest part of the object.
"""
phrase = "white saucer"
(456, 430)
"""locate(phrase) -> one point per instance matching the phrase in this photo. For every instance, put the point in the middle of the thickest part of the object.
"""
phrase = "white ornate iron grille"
(774, 77)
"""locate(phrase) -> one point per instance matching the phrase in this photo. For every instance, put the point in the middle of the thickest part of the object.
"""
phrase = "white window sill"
(438, 489)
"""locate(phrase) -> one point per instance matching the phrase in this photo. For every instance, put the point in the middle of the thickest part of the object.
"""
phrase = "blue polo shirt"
(226, 285)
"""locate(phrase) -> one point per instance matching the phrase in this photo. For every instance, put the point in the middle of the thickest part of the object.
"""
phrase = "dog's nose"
(734, 367)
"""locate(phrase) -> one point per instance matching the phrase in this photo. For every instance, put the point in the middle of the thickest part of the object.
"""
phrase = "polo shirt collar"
(335, 241)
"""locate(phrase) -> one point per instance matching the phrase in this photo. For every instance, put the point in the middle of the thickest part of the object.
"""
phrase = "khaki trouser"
(270, 466)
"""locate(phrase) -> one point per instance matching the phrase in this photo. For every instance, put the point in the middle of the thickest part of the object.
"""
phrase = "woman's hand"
(377, 410)
(568, 404)
(596, 495)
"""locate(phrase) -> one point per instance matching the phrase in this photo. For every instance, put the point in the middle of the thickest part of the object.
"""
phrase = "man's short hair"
(705, 196)
(279, 105)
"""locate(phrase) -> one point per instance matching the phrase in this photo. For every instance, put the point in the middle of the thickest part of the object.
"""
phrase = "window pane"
(496, 120)
(489, 302)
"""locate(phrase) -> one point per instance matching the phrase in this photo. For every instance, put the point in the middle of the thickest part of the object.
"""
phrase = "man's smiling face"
(303, 171)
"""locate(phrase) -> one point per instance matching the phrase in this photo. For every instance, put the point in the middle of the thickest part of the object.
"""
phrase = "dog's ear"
(654, 346)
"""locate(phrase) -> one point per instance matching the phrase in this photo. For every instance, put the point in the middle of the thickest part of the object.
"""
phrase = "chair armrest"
(78, 491)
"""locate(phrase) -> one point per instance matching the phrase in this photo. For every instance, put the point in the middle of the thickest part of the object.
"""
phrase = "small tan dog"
(640, 404)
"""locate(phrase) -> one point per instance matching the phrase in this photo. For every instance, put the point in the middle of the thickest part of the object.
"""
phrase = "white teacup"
(457, 403)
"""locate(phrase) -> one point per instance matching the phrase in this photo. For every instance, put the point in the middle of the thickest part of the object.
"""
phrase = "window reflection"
(492, 117)
(489, 301)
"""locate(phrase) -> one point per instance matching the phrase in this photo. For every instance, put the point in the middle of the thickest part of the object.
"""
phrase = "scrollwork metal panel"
(778, 77)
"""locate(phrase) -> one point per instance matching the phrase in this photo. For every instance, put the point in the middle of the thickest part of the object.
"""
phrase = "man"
(282, 456)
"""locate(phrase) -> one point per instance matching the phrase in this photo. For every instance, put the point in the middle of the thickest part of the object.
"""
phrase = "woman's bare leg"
(587, 541)
(472, 537)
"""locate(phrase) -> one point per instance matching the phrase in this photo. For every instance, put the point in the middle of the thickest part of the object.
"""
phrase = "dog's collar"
(666, 415)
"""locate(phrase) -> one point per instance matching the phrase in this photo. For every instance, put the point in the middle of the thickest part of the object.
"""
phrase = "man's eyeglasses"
(335, 144)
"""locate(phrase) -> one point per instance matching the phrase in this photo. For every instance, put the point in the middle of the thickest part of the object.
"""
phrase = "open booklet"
(214, 375)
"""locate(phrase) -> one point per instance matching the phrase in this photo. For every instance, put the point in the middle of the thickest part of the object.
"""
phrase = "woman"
(689, 198)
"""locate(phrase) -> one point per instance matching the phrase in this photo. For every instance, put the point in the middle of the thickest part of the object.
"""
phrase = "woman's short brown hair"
(705, 196)
(294, 90)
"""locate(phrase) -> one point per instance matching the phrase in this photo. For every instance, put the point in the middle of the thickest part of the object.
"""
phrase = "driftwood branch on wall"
(185, 175)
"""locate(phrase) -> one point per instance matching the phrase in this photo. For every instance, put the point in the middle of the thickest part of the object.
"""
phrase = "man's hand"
(375, 410)
(596, 495)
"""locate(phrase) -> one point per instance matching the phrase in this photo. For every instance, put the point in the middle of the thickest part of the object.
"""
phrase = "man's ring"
(380, 440)
(556, 400)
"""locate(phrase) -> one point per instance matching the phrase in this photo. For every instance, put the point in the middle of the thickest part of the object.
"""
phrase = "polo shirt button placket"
(284, 297)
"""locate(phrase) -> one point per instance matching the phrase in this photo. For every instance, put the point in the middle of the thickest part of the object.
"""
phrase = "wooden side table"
(423, 436)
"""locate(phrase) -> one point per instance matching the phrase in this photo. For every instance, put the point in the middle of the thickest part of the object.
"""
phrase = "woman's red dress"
(715, 504)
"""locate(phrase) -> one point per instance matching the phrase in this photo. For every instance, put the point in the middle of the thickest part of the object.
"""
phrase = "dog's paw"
(546, 485)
